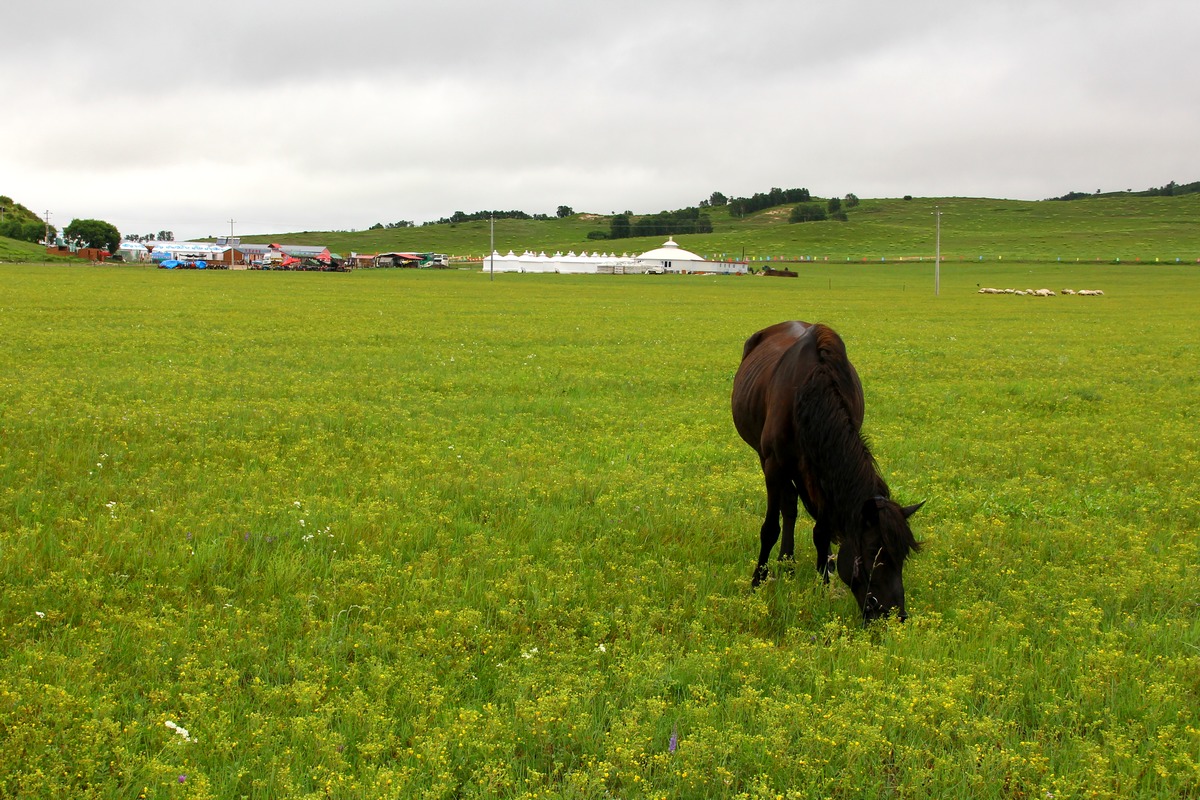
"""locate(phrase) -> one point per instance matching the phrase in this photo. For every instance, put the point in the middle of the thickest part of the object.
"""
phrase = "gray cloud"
(321, 115)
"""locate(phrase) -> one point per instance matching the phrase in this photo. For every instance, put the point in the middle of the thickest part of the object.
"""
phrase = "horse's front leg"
(769, 533)
(825, 562)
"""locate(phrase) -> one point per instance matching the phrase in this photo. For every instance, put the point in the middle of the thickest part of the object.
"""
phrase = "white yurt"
(670, 258)
(673, 258)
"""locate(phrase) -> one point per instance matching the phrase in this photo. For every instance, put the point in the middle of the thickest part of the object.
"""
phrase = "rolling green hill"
(1125, 227)
(25, 252)
(1107, 228)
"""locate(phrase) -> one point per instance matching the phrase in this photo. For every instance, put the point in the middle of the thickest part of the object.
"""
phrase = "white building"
(188, 251)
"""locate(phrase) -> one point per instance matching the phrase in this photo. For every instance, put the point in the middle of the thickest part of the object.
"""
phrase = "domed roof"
(670, 251)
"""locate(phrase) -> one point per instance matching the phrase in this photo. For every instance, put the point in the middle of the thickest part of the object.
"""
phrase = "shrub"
(808, 212)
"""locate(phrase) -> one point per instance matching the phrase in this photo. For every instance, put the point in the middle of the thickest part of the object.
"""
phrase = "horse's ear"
(908, 511)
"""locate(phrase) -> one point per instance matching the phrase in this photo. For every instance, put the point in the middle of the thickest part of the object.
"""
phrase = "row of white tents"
(668, 258)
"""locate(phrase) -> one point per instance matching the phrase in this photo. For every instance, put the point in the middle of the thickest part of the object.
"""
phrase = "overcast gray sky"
(335, 115)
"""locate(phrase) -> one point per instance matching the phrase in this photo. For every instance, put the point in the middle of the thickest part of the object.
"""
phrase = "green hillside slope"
(1124, 227)
(1107, 228)
(26, 252)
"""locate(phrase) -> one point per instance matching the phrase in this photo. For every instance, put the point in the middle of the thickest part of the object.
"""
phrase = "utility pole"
(47, 229)
(937, 253)
(492, 250)
(232, 250)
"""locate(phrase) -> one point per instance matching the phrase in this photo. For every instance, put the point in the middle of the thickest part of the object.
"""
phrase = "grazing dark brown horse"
(798, 402)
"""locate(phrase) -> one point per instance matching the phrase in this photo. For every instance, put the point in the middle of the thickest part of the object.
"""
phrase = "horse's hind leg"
(769, 533)
(789, 506)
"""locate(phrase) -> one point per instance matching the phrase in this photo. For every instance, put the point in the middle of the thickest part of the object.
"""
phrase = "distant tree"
(669, 223)
(908, 197)
(477, 216)
(166, 236)
(94, 233)
(24, 230)
(742, 206)
(378, 226)
(718, 199)
(619, 228)
(808, 212)
(834, 205)
(18, 222)
(565, 211)
(34, 231)
(851, 200)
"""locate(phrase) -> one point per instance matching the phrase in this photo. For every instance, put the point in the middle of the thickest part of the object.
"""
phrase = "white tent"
(668, 258)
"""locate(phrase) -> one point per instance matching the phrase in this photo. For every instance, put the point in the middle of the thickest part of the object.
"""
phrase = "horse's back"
(776, 362)
(756, 390)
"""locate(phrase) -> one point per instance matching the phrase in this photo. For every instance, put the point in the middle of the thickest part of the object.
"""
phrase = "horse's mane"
(838, 453)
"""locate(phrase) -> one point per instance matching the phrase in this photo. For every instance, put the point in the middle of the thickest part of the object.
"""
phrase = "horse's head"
(873, 564)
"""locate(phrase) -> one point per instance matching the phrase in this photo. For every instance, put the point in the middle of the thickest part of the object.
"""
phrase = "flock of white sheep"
(1042, 292)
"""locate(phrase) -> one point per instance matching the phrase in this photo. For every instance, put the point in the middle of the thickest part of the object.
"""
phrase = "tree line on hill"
(480, 216)
(1171, 189)
(694, 220)
(664, 223)
(477, 216)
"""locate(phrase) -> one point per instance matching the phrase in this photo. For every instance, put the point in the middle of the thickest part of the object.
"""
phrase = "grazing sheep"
(1068, 291)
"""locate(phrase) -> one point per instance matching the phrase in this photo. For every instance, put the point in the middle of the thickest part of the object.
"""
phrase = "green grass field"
(421, 534)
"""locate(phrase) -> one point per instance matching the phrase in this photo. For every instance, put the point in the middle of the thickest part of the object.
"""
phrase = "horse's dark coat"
(798, 401)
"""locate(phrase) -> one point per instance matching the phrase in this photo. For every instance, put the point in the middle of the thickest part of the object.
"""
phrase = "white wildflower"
(179, 729)
(530, 653)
